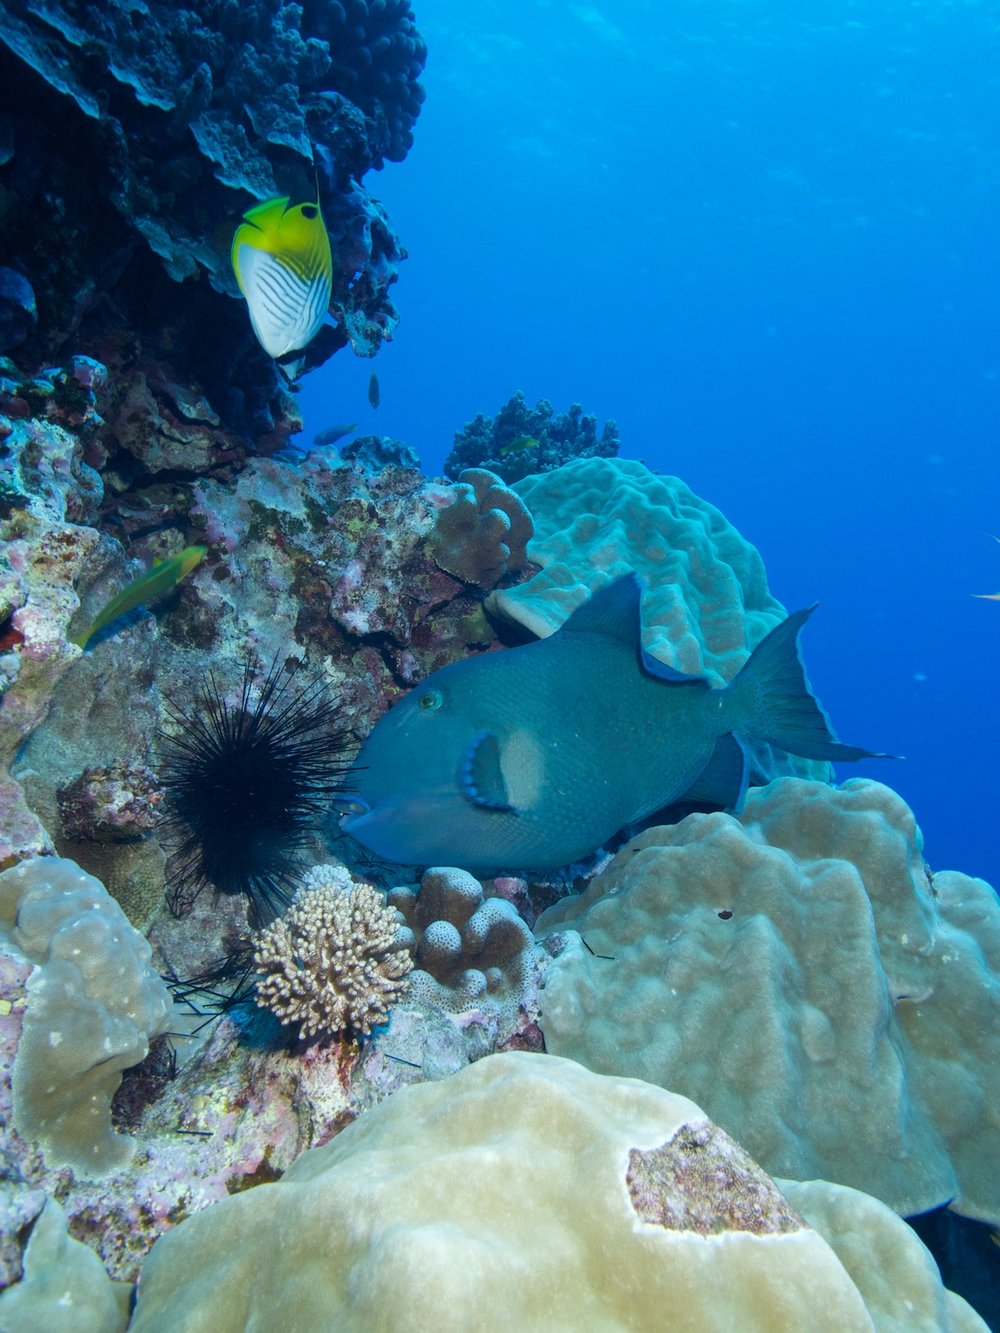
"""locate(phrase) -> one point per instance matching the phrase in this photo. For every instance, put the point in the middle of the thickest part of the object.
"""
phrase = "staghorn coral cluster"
(158, 124)
(705, 603)
(333, 963)
(525, 1192)
(483, 532)
(799, 972)
(91, 1006)
(471, 951)
(521, 440)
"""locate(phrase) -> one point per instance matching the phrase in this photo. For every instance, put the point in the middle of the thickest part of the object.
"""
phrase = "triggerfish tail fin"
(284, 267)
(772, 698)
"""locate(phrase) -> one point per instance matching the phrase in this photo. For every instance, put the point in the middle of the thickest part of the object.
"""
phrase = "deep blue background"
(767, 245)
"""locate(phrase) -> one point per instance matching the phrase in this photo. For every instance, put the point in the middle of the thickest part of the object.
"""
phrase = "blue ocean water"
(762, 236)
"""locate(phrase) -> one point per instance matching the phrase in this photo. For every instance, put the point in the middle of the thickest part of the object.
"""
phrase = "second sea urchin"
(246, 783)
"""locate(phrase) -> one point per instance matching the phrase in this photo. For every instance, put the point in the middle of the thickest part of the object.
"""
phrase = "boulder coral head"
(245, 781)
(134, 138)
(799, 972)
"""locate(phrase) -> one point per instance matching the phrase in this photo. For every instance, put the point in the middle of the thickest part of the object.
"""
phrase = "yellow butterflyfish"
(283, 264)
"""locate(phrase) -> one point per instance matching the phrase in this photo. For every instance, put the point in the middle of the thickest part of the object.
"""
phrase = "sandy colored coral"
(332, 964)
(800, 974)
(92, 1005)
(499, 1199)
(484, 531)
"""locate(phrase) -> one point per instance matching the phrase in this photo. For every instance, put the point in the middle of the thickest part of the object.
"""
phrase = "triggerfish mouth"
(532, 758)
(282, 260)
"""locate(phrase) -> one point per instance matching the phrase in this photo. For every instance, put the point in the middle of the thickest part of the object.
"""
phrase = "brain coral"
(92, 1005)
(524, 1192)
(800, 973)
(705, 604)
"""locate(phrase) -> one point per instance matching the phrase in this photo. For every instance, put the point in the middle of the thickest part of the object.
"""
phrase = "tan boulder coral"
(484, 531)
(91, 1006)
(528, 1193)
(800, 974)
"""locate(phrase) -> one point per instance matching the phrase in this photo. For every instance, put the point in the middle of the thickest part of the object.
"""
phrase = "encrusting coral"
(92, 1004)
(332, 963)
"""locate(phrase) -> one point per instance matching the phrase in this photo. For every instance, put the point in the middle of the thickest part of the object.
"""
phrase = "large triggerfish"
(532, 758)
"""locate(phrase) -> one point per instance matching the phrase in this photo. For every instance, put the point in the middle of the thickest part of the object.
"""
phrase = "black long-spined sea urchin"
(246, 783)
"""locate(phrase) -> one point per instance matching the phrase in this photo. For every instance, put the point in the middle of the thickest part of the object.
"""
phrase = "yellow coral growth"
(332, 964)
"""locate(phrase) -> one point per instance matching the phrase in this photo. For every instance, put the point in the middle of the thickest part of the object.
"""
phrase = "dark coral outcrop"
(521, 440)
(132, 137)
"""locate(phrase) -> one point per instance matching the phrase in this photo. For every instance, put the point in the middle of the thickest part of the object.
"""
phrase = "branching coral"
(332, 964)
(520, 440)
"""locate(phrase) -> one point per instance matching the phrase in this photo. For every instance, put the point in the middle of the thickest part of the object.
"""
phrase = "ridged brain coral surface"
(497, 1199)
(799, 973)
(92, 1005)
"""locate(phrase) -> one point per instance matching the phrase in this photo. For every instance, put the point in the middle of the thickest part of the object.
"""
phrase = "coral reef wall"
(133, 137)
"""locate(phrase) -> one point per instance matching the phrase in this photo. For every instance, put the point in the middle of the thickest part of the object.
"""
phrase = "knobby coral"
(332, 964)
(484, 531)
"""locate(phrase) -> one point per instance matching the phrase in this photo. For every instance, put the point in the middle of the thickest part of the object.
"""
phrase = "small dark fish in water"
(163, 576)
(532, 758)
(334, 433)
(517, 446)
(373, 391)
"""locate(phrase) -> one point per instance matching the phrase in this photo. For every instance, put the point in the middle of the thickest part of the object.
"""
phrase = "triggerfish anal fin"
(284, 267)
(480, 778)
(723, 780)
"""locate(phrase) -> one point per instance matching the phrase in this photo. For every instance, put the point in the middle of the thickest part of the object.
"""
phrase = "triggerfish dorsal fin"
(616, 611)
(284, 267)
(480, 778)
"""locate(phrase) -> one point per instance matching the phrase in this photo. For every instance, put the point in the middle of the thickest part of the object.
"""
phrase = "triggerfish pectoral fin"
(282, 260)
(480, 777)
